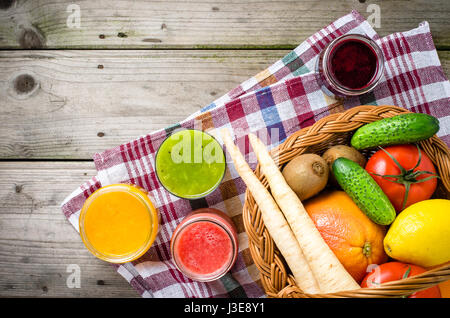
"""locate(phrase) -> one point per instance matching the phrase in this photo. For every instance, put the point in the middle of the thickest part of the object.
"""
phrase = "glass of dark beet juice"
(350, 65)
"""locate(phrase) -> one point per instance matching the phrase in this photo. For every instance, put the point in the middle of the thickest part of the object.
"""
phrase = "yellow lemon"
(421, 234)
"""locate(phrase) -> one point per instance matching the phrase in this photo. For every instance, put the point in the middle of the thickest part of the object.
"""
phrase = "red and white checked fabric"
(276, 102)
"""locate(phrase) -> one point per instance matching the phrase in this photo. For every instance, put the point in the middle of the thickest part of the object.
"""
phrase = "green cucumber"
(400, 129)
(364, 191)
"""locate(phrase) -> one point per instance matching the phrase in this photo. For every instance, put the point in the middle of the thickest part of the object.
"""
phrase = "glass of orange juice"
(118, 223)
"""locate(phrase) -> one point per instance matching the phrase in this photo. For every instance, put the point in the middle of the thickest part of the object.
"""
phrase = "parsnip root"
(327, 269)
(274, 220)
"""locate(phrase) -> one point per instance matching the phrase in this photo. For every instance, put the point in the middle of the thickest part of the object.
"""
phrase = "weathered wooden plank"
(37, 243)
(71, 104)
(74, 108)
(200, 23)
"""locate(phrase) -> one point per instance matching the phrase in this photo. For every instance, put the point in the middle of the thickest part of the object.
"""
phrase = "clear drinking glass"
(214, 217)
(324, 67)
(197, 177)
(99, 230)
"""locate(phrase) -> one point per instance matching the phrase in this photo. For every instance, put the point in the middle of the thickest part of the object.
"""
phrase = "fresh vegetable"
(306, 174)
(400, 129)
(274, 220)
(404, 173)
(421, 234)
(328, 271)
(445, 289)
(352, 236)
(364, 191)
(339, 151)
(393, 271)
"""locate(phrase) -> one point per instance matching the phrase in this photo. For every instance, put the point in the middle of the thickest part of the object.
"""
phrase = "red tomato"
(381, 164)
(395, 271)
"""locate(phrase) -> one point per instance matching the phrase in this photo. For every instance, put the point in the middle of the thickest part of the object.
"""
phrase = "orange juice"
(118, 223)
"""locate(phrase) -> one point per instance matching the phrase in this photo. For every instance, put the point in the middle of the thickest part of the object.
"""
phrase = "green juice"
(190, 164)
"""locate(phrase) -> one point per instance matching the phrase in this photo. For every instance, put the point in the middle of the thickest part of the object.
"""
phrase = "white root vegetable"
(329, 272)
(273, 220)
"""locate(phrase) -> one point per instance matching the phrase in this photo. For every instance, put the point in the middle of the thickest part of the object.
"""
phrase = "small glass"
(195, 175)
(214, 218)
(118, 223)
(326, 76)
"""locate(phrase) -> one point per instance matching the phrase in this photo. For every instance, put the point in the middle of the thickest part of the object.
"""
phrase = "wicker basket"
(332, 130)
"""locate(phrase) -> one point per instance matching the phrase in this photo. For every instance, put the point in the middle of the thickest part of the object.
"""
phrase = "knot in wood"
(30, 39)
(6, 4)
(24, 84)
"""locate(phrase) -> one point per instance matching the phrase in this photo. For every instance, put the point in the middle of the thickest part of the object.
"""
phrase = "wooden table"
(132, 67)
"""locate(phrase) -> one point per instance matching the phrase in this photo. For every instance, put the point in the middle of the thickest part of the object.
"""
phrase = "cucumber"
(364, 191)
(400, 129)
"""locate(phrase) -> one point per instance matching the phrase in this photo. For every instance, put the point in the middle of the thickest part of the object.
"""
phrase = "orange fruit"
(445, 286)
(352, 236)
(445, 289)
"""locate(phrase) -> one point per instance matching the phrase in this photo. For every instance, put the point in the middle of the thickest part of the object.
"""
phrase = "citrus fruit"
(445, 289)
(420, 234)
(444, 286)
(355, 240)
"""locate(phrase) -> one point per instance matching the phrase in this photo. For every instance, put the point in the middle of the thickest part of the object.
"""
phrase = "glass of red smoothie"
(204, 245)
(350, 65)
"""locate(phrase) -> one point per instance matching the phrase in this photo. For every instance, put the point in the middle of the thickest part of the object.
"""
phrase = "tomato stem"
(407, 177)
(407, 273)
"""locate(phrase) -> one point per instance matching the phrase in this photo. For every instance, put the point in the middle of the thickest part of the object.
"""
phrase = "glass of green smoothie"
(190, 164)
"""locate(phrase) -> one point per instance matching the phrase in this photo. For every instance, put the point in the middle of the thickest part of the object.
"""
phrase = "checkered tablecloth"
(276, 102)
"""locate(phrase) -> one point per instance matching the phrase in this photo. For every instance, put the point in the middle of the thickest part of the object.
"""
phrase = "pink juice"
(204, 245)
(204, 248)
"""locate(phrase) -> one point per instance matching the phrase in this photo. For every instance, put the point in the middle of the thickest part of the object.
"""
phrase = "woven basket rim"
(275, 276)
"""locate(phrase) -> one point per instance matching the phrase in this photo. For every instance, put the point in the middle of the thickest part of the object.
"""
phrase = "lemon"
(421, 234)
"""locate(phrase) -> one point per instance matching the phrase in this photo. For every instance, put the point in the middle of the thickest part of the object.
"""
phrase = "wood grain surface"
(77, 108)
(131, 68)
(200, 23)
(37, 244)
